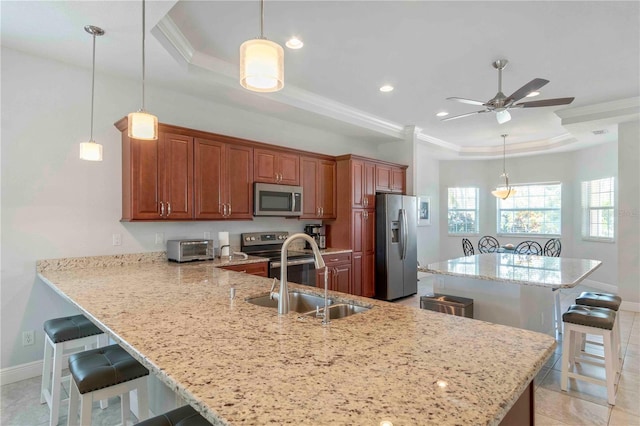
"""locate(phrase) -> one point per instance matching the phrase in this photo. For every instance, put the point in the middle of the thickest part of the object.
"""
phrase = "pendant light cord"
(143, 32)
(93, 82)
(261, 18)
(504, 154)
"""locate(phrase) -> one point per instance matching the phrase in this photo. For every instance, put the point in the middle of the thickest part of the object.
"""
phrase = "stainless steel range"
(269, 245)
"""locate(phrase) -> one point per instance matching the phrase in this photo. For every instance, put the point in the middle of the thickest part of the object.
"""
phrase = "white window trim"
(586, 210)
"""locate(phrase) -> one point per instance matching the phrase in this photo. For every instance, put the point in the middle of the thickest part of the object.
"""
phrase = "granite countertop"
(541, 271)
(238, 363)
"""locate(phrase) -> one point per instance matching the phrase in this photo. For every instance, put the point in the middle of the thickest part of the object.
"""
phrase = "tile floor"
(583, 404)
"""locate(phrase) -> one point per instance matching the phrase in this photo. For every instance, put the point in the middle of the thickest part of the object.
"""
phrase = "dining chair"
(467, 247)
(528, 247)
(488, 244)
(552, 248)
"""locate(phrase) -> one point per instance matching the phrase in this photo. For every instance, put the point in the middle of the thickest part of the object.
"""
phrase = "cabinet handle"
(334, 260)
(317, 211)
(229, 211)
(224, 210)
(279, 177)
(321, 211)
(161, 209)
(366, 201)
(168, 209)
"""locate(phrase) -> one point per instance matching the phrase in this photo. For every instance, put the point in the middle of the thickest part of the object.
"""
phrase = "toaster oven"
(189, 250)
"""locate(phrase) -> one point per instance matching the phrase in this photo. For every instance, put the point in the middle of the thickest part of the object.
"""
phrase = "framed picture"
(424, 210)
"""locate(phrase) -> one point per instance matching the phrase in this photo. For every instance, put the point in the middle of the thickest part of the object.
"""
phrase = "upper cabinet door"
(276, 167)
(357, 184)
(210, 176)
(309, 176)
(390, 179)
(178, 176)
(327, 188)
(239, 181)
(142, 179)
(369, 185)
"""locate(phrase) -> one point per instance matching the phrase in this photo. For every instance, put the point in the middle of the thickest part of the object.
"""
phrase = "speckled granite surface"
(238, 363)
(99, 261)
(542, 271)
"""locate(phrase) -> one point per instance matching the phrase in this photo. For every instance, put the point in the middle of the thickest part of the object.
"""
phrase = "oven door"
(300, 271)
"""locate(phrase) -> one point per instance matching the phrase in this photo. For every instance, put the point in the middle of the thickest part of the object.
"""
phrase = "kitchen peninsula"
(238, 363)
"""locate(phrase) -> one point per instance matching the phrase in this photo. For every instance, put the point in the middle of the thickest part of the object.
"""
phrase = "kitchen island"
(512, 289)
(238, 363)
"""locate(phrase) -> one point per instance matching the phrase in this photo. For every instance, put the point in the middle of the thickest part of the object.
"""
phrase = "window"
(598, 204)
(533, 209)
(463, 210)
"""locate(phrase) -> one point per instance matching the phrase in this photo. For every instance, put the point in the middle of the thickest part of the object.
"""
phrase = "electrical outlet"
(117, 239)
(159, 237)
(207, 235)
(28, 338)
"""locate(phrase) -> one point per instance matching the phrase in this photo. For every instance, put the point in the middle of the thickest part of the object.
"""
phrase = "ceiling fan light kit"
(261, 62)
(505, 191)
(92, 151)
(500, 104)
(141, 124)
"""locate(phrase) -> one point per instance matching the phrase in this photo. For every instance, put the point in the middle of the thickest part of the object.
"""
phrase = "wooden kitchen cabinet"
(358, 179)
(223, 180)
(272, 166)
(318, 179)
(339, 272)
(260, 269)
(390, 179)
(157, 178)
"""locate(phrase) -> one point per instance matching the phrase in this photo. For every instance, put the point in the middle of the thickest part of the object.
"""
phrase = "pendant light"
(92, 151)
(261, 62)
(141, 124)
(505, 191)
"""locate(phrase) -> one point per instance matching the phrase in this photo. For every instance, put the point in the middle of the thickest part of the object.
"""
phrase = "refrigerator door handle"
(405, 233)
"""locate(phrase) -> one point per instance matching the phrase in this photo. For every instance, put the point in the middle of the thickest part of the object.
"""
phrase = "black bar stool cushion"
(103, 367)
(590, 316)
(70, 328)
(183, 416)
(599, 300)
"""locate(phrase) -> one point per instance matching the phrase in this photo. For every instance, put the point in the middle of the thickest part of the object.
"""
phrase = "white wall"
(427, 184)
(568, 168)
(54, 205)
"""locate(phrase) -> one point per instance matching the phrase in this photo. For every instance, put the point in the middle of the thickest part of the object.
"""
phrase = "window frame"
(476, 232)
(529, 234)
(585, 194)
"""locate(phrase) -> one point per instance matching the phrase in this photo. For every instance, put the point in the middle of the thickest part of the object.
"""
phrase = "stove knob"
(253, 238)
(247, 238)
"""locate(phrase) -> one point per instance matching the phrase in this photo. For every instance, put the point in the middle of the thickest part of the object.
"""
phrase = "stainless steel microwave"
(277, 200)
(188, 250)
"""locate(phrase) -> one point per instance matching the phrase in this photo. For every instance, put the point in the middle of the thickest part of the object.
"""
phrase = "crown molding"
(520, 148)
(423, 137)
(172, 33)
(611, 112)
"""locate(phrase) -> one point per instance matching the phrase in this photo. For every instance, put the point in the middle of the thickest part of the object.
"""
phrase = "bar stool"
(103, 373)
(183, 416)
(603, 300)
(72, 334)
(579, 320)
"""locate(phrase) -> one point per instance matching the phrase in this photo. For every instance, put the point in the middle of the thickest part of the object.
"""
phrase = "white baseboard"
(630, 306)
(26, 371)
(20, 372)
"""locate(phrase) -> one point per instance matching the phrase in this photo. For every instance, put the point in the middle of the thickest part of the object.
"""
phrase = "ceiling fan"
(501, 104)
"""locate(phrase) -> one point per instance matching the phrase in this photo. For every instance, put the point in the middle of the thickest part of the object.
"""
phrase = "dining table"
(512, 289)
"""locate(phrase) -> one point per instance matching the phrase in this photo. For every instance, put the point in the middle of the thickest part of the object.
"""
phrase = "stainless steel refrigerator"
(396, 246)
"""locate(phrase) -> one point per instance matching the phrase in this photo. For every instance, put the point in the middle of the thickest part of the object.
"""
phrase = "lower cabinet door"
(342, 278)
(356, 274)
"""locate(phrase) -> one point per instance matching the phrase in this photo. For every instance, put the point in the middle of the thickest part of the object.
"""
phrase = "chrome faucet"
(223, 247)
(283, 292)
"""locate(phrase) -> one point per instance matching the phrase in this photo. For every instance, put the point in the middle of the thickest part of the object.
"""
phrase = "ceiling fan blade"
(534, 84)
(464, 115)
(544, 103)
(467, 101)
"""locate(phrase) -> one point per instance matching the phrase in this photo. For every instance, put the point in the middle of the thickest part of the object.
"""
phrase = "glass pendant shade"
(91, 151)
(503, 116)
(142, 125)
(503, 192)
(261, 65)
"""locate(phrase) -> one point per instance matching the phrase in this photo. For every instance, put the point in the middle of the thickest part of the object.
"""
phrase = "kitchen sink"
(341, 310)
(298, 302)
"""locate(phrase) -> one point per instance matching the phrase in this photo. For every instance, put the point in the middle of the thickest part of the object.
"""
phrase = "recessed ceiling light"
(532, 94)
(386, 88)
(294, 43)
(442, 114)
(600, 132)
